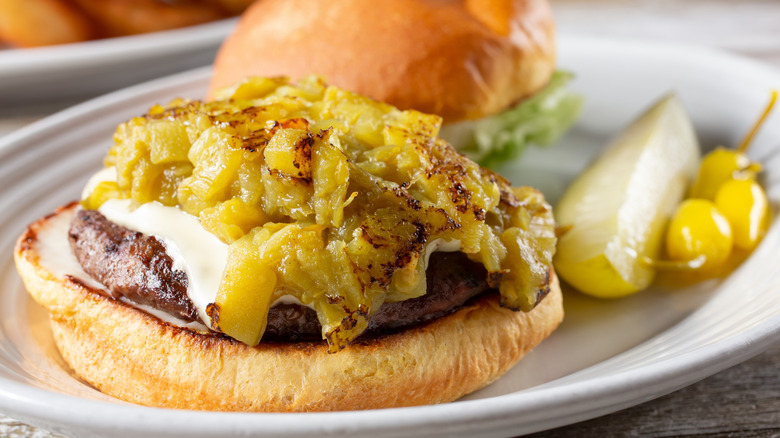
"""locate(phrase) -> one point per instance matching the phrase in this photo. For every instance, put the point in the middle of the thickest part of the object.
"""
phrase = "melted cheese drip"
(56, 256)
(441, 245)
(195, 251)
(104, 175)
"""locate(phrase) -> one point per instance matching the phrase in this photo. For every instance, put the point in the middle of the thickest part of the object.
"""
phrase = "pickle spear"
(616, 210)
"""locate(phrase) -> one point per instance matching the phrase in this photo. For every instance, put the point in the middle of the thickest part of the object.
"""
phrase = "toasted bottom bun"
(131, 355)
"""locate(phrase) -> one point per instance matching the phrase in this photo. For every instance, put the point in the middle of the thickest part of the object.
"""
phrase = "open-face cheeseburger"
(295, 248)
(486, 66)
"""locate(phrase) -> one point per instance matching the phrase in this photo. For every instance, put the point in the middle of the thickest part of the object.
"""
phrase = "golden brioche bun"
(136, 357)
(460, 59)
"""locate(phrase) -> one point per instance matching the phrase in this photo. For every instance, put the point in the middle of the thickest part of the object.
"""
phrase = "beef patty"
(136, 266)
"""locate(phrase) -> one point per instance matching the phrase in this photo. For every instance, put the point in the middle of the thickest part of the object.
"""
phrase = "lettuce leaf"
(539, 120)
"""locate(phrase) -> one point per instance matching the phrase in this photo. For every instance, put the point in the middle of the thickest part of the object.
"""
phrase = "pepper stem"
(675, 265)
(749, 137)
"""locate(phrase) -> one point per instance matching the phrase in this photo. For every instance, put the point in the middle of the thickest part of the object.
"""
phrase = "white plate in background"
(43, 75)
(607, 355)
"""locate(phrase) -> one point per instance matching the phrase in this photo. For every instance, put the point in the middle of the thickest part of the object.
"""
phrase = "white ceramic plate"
(77, 71)
(607, 355)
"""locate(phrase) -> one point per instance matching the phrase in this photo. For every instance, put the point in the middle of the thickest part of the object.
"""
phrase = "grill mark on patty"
(137, 267)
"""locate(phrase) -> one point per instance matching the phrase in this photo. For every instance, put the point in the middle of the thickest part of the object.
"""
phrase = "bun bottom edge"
(135, 357)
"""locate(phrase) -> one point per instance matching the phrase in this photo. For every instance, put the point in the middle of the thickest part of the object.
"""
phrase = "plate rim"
(615, 390)
(119, 49)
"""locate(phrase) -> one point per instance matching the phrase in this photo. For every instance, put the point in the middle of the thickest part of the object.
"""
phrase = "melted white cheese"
(290, 299)
(104, 175)
(440, 245)
(195, 251)
(207, 283)
(56, 256)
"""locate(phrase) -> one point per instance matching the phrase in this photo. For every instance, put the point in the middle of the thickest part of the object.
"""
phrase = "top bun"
(460, 59)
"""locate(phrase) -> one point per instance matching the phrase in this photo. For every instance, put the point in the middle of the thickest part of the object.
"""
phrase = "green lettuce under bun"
(539, 120)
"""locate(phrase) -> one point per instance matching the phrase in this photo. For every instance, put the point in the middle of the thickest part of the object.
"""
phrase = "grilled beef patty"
(130, 264)
(137, 267)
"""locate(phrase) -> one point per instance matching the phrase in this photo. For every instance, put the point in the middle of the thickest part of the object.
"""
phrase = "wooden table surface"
(743, 401)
